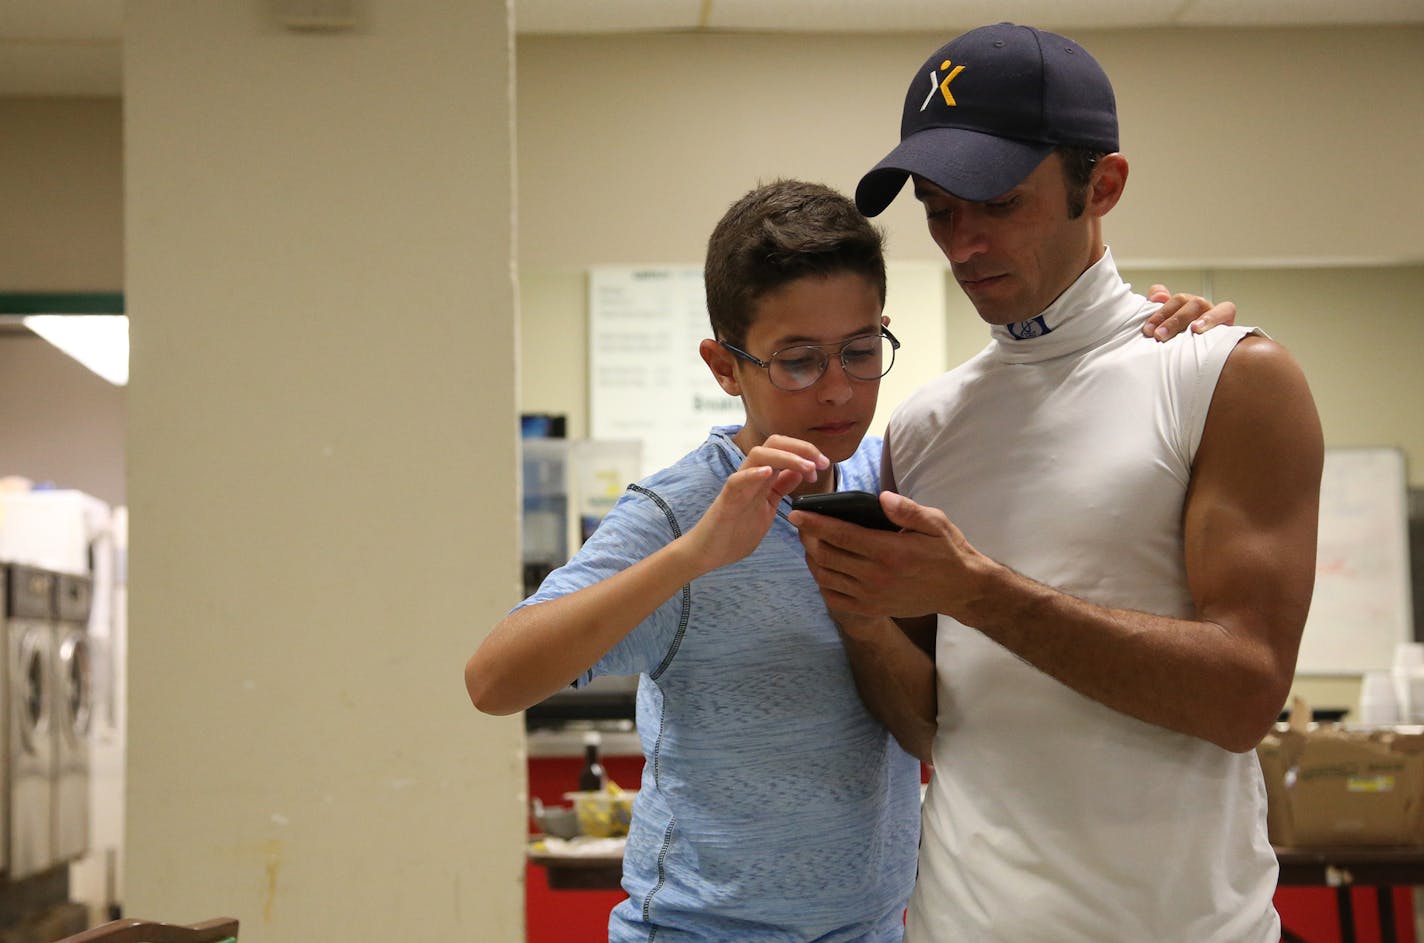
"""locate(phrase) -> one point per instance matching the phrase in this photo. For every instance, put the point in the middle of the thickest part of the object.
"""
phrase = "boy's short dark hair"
(778, 233)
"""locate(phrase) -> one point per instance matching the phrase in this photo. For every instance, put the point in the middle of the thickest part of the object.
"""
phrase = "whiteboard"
(647, 382)
(1362, 606)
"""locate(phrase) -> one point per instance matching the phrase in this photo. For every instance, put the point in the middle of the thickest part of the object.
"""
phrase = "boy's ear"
(723, 365)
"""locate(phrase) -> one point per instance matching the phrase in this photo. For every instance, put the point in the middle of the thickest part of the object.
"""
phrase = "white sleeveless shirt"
(1064, 450)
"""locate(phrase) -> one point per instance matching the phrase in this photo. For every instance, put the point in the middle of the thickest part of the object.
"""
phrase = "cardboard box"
(1332, 786)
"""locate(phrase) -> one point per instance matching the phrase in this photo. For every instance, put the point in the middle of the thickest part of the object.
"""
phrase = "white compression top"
(1064, 450)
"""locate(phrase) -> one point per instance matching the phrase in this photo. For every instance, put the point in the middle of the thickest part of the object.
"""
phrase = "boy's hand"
(1179, 311)
(742, 514)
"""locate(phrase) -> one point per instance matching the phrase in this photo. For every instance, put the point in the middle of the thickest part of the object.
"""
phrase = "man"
(1109, 547)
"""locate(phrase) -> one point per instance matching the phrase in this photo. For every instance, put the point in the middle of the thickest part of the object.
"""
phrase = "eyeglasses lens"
(864, 358)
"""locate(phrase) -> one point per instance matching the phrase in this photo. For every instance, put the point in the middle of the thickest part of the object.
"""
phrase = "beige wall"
(59, 422)
(1357, 334)
(321, 453)
(1267, 146)
(1276, 147)
(1232, 171)
(61, 189)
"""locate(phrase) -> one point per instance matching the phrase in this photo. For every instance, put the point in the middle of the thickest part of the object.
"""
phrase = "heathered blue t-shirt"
(772, 807)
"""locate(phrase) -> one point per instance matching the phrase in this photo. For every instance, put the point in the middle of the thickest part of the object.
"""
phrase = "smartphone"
(858, 507)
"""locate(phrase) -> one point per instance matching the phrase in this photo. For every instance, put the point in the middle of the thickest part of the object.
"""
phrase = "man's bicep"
(1253, 505)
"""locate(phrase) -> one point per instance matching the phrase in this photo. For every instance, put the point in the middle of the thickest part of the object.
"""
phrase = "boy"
(772, 805)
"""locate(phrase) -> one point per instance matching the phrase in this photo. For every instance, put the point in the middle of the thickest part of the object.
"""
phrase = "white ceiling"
(72, 47)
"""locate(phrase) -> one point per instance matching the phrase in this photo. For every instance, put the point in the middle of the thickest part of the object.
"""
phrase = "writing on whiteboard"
(1361, 607)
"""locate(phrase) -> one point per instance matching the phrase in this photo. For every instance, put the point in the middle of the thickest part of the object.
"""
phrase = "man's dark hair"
(1078, 164)
(776, 234)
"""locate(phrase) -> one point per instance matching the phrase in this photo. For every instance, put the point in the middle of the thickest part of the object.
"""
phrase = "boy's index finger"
(789, 453)
(801, 447)
(803, 469)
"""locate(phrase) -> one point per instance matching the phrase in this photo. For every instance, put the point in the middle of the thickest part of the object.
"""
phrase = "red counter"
(569, 916)
(1309, 913)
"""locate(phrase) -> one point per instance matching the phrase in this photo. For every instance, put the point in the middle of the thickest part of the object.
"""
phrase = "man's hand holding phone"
(857, 507)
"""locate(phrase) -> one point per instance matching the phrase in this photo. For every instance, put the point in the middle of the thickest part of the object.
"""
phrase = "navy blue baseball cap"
(987, 108)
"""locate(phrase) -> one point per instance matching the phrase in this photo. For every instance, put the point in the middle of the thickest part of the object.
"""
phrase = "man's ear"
(1108, 181)
(723, 365)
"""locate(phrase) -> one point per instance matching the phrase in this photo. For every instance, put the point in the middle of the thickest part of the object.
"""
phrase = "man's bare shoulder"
(1262, 414)
(1258, 365)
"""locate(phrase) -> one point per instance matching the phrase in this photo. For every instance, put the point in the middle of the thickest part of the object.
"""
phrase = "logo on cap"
(942, 87)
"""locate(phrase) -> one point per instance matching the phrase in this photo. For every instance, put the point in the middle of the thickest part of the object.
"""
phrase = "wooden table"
(1382, 868)
(1338, 868)
(580, 872)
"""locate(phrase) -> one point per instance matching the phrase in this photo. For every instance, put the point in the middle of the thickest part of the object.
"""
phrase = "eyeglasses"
(868, 357)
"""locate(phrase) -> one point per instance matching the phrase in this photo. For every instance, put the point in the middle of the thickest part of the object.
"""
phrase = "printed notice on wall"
(647, 381)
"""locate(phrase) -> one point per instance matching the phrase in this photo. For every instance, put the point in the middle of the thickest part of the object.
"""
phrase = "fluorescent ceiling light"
(98, 341)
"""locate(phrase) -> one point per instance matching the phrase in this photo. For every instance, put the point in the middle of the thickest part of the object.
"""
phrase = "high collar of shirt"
(1091, 310)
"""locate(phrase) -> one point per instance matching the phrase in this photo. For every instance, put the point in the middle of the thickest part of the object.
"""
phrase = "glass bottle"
(591, 777)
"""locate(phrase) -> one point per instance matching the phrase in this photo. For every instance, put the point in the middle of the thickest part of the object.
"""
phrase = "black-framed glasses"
(867, 357)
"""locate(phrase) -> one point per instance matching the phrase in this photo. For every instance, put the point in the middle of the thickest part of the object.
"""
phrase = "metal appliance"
(73, 709)
(569, 485)
(64, 531)
(545, 522)
(29, 637)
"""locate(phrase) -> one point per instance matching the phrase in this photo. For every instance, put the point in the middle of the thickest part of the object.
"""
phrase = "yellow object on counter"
(604, 813)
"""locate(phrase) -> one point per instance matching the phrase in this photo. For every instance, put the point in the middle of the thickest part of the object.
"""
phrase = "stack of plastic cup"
(1379, 704)
(1408, 675)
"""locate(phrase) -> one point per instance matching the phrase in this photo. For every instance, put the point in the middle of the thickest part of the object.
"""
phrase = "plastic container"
(560, 821)
(603, 814)
(1408, 673)
(1379, 702)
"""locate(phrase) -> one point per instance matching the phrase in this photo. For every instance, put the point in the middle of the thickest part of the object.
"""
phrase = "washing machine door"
(74, 690)
(72, 711)
(31, 689)
(31, 752)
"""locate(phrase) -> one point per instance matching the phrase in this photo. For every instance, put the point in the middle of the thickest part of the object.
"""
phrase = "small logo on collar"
(1034, 327)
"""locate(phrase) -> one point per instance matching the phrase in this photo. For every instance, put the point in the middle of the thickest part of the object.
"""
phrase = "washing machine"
(72, 687)
(29, 637)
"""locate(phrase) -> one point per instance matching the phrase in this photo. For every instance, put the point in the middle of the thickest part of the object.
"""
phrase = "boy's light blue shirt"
(773, 807)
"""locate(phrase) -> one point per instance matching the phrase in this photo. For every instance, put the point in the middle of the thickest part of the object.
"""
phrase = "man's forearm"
(895, 679)
(1193, 676)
